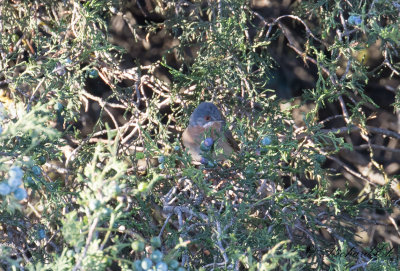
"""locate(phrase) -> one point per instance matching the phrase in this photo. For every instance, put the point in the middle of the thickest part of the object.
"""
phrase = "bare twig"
(88, 241)
(343, 130)
(348, 169)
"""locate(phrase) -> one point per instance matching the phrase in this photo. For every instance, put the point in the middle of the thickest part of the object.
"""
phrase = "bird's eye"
(207, 118)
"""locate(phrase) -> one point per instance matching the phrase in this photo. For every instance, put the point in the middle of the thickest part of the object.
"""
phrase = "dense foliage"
(93, 175)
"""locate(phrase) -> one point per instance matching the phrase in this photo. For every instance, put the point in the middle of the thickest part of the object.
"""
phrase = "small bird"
(207, 121)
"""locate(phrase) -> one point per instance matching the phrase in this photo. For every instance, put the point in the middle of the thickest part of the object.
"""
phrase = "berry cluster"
(155, 261)
(15, 175)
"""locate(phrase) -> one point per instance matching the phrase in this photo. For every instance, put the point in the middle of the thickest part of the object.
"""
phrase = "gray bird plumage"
(204, 113)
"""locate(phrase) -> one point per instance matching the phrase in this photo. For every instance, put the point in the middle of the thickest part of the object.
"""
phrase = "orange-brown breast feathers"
(194, 135)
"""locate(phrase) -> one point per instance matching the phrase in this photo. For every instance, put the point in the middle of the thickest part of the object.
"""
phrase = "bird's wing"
(231, 140)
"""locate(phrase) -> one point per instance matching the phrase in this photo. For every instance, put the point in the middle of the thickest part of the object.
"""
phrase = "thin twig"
(88, 241)
(348, 169)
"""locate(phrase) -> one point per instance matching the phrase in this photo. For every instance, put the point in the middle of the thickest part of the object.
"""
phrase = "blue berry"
(208, 142)
(161, 159)
(30, 181)
(156, 256)
(20, 194)
(137, 265)
(146, 263)
(93, 73)
(16, 172)
(177, 148)
(204, 148)
(4, 189)
(13, 183)
(137, 246)
(174, 264)
(355, 20)
(161, 267)
(210, 164)
(266, 141)
(155, 241)
(41, 160)
(41, 234)
(36, 170)
(161, 166)
(204, 161)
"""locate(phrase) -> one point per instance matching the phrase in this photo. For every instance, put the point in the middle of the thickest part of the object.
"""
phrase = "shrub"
(92, 168)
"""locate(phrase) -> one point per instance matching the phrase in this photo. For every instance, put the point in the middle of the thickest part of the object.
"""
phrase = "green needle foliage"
(93, 175)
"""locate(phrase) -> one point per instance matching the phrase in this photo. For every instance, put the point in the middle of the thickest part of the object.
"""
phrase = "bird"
(207, 121)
